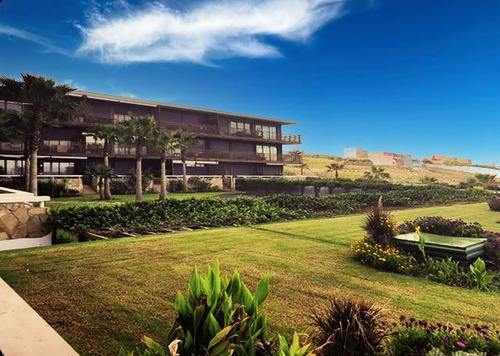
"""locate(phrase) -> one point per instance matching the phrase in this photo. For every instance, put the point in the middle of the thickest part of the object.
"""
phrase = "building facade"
(231, 144)
(355, 153)
(442, 159)
(390, 159)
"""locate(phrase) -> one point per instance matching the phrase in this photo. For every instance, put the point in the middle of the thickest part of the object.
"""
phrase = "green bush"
(52, 188)
(198, 184)
(154, 215)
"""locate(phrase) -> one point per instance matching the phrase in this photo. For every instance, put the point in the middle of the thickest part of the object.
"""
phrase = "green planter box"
(460, 248)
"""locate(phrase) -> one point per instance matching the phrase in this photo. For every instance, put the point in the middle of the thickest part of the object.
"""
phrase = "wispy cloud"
(208, 30)
(28, 36)
(74, 84)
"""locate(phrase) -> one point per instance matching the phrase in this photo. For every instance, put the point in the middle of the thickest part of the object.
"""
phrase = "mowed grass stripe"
(101, 295)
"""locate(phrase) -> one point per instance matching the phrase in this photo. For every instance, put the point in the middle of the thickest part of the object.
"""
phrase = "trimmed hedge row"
(151, 216)
(283, 185)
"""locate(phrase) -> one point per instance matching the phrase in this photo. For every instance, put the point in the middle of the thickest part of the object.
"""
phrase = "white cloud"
(209, 30)
(24, 35)
(74, 84)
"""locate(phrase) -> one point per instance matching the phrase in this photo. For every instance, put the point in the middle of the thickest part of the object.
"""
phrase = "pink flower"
(461, 344)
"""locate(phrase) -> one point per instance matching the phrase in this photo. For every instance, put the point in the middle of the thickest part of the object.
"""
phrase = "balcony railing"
(95, 149)
(292, 158)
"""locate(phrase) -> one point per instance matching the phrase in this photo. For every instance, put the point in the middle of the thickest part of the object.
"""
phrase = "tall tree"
(109, 135)
(138, 131)
(166, 143)
(44, 104)
(335, 167)
(185, 141)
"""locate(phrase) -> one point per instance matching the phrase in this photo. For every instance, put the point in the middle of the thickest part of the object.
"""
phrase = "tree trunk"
(163, 178)
(107, 181)
(26, 172)
(184, 176)
(101, 189)
(33, 175)
(336, 174)
(138, 179)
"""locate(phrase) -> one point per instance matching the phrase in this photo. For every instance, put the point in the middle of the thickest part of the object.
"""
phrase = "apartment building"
(390, 159)
(231, 144)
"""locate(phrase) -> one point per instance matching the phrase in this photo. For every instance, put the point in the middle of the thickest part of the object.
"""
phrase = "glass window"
(11, 167)
(121, 117)
(270, 153)
(240, 127)
(58, 168)
(267, 132)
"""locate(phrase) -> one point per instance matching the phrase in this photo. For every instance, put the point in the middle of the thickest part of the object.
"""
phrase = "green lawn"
(100, 295)
(93, 199)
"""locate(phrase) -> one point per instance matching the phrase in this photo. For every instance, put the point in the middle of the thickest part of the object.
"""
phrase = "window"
(58, 168)
(270, 153)
(11, 167)
(121, 117)
(240, 127)
(267, 132)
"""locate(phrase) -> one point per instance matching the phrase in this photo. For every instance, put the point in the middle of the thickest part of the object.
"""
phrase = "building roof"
(135, 101)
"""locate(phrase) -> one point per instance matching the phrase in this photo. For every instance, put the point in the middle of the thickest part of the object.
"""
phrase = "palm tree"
(102, 173)
(485, 178)
(45, 103)
(377, 173)
(110, 135)
(138, 131)
(166, 143)
(185, 140)
(335, 167)
(428, 180)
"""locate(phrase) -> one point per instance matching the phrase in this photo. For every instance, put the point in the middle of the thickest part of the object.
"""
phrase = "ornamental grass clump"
(349, 328)
(413, 337)
(380, 226)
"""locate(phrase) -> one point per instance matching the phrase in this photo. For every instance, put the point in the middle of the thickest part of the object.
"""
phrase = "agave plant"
(220, 316)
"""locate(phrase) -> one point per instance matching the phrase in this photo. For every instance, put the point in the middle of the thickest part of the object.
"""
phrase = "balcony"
(211, 130)
(69, 148)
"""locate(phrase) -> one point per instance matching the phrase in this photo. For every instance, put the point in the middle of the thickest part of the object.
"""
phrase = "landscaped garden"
(102, 295)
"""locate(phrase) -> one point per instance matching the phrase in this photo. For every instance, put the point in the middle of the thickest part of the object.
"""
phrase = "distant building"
(390, 159)
(442, 159)
(356, 153)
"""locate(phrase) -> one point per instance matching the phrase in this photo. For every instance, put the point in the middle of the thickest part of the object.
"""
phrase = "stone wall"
(21, 220)
(71, 183)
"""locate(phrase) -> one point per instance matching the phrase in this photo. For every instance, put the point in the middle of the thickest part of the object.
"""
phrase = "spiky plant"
(380, 226)
(349, 328)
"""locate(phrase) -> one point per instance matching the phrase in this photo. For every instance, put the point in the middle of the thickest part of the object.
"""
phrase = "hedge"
(172, 213)
(283, 185)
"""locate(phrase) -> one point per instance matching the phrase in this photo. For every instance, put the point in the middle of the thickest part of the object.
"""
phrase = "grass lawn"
(101, 295)
(93, 199)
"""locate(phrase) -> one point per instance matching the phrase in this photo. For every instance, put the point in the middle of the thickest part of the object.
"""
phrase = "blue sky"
(414, 76)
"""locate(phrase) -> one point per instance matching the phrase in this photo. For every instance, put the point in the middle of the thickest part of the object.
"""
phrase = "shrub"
(418, 337)
(198, 184)
(175, 185)
(494, 203)
(380, 226)
(219, 315)
(385, 258)
(349, 328)
(445, 271)
(442, 226)
(120, 186)
(52, 188)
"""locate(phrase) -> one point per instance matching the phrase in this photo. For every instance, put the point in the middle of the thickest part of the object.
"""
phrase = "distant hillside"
(316, 166)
